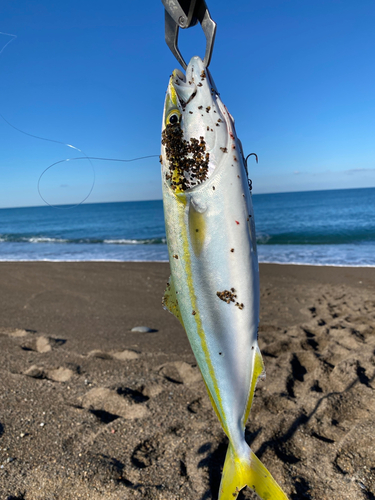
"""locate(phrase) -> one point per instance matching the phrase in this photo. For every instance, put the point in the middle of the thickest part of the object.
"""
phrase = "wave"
(317, 238)
(263, 239)
(42, 239)
(355, 237)
(150, 241)
(10, 238)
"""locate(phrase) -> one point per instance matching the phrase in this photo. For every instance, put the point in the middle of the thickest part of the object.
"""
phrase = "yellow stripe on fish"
(172, 305)
(197, 228)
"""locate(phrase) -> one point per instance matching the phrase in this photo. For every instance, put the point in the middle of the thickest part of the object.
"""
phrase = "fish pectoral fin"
(170, 300)
(248, 471)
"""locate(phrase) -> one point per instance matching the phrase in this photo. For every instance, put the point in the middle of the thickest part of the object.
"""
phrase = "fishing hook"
(247, 170)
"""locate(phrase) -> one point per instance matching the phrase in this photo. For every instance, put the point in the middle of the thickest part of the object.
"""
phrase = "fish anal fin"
(170, 301)
(248, 471)
(257, 372)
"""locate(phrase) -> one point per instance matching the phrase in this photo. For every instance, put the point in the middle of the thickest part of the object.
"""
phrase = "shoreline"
(167, 261)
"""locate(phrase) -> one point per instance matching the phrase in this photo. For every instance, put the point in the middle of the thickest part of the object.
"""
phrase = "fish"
(214, 285)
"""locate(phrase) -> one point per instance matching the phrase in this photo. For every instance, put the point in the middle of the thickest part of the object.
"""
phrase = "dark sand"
(91, 410)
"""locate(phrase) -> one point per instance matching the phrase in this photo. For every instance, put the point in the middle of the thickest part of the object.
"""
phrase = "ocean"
(334, 228)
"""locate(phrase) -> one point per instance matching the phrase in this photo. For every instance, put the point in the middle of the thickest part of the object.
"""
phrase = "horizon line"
(74, 205)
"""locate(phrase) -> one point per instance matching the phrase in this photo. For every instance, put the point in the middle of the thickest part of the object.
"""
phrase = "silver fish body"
(214, 285)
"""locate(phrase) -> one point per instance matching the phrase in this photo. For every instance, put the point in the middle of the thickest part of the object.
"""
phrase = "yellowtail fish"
(214, 284)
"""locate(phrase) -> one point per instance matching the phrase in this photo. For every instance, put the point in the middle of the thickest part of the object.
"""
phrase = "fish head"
(196, 128)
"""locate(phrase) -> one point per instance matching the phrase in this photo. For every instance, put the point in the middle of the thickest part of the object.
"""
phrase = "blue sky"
(298, 76)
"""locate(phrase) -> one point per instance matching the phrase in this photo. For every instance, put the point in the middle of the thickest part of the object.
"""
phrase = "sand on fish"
(92, 410)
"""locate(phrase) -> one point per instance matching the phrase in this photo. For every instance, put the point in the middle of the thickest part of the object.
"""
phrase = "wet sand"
(92, 410)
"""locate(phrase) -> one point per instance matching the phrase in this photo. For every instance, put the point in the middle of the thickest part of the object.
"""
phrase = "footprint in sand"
(42, 344)
(351, 456)
(56, 374)
(145, 454)
(108, 400)
(103, 468)
(151, 390)
(45, 344)
(15, 333)
(131, 395)
(180, 372)
(97, 353)
(195, 406)
(124, 355)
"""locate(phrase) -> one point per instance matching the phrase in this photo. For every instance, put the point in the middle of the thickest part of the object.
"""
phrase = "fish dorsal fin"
(170, 300)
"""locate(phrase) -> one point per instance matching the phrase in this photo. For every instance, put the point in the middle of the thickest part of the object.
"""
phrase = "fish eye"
(173, 119)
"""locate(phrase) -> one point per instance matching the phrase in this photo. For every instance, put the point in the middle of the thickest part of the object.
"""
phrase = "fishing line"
(64, 144)
(9, 41)
(85, 157)
(13, 37)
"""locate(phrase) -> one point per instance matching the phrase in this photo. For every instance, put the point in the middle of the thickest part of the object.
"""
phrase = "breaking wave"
(10, 238)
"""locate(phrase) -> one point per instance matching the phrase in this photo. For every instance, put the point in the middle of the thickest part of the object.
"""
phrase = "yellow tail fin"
(248, 471)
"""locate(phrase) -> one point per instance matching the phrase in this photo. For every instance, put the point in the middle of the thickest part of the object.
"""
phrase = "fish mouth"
(197, 77)
(185, 89)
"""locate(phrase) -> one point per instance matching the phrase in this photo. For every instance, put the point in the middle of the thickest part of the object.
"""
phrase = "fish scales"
(214, 284)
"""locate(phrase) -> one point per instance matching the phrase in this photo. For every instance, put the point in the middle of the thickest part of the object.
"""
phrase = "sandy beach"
(92, 410)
